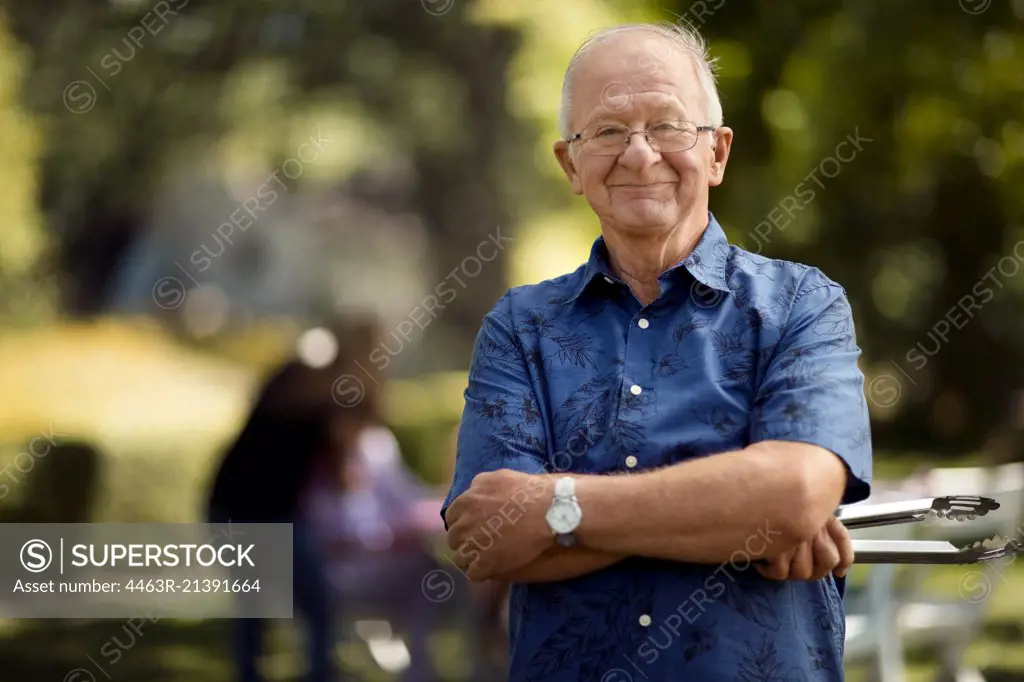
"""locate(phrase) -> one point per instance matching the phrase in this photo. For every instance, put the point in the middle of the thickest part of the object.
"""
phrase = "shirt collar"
(706, 263)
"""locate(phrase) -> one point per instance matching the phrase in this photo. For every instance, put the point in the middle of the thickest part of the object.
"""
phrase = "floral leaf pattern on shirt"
(819, 658)
(755, 600)
(576, 350)
(776, 358)
(628, 437)
(587, 412)
(683, 330)
(791, 416)
(669, 365)
(757, 320)
(698, 642)
(590, 638)
(799, 369)
(837, 619)
(861, 436)
(835, 321)
(636, 404)
(494, 353)
(761, 663)
(534, 359)
(492, 410)
(563, 649)
(783, 298)
(718, 419)
(515, 436)
(740, 369)
(616, 628)
(536, 322)
(530, 411)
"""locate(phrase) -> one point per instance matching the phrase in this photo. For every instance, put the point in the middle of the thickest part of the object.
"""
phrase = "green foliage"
(26, 290)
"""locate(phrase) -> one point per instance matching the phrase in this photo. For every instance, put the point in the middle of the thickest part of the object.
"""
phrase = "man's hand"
(831, 551)
(498, 524)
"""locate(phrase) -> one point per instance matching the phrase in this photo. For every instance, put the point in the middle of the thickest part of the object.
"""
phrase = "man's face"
(637, 79)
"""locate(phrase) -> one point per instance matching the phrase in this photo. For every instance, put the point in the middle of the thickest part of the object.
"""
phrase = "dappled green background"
(441, 115)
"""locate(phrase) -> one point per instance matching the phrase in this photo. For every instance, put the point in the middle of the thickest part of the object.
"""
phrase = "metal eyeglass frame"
(646, 133)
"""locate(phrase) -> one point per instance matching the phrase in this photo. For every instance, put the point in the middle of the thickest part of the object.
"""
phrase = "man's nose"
(639, 151)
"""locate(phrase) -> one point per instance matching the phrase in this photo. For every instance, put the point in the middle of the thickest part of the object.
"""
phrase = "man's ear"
(721, 145)
(563, 152)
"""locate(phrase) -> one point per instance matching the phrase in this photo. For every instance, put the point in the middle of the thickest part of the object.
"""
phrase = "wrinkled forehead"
(635, 72)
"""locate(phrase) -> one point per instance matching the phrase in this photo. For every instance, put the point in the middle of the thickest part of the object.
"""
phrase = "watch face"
(563, 517)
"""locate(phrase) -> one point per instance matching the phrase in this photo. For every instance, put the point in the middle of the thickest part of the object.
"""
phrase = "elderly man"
(653, 446)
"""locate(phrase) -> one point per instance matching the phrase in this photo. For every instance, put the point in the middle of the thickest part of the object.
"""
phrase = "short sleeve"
(813, 389)
(502, 426)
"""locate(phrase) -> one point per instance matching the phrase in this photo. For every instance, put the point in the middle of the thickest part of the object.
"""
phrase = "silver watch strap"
(565, 488)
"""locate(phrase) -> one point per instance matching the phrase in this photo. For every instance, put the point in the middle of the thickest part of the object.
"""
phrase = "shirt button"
(635, 390)
(631, 461)
(609, 279)
(645, 620)
(643, 323)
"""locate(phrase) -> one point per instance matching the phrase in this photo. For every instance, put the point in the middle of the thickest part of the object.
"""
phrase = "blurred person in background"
(288, 446)
(378, 526)
(375, 472)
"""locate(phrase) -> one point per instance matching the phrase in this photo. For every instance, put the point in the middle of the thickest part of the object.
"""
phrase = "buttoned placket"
(636, 370)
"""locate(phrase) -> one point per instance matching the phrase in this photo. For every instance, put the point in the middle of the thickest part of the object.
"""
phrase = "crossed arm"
(762, 501)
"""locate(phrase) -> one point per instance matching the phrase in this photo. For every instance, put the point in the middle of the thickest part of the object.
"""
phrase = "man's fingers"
(844, 545)
(452, 517)
(826, 555)
(802, 566)
(462, 558)
(769, 571)
(454, 510)
(777, 568)
(478, 571)
(455, 536)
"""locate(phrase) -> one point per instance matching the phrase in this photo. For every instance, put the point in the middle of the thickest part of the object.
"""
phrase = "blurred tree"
(124, 88)
(26, 291)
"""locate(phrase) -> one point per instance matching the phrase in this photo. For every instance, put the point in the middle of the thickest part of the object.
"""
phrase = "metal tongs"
(957, 508)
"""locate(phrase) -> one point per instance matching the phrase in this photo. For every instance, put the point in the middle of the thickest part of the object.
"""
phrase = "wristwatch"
(564, 514)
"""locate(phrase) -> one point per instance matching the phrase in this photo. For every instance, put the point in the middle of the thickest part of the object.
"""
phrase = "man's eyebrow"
(660, 111)
(675, 110)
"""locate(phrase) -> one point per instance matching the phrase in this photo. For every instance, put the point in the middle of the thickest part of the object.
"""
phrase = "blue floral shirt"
(575, 374)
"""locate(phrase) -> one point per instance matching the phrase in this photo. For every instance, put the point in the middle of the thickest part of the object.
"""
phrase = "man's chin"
(645, 222)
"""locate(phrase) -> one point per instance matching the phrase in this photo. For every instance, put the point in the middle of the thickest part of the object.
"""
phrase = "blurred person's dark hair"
(290, 427)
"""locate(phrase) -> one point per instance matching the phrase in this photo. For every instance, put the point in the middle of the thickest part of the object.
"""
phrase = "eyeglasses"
(664, 137)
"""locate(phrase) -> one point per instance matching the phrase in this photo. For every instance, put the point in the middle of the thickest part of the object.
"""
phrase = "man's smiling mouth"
(643, 184)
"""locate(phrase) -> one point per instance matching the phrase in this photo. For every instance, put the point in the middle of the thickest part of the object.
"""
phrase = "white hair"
(683, 37)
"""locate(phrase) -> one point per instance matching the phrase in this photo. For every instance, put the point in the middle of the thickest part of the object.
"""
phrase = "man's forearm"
(561, 563)
(761, 501)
